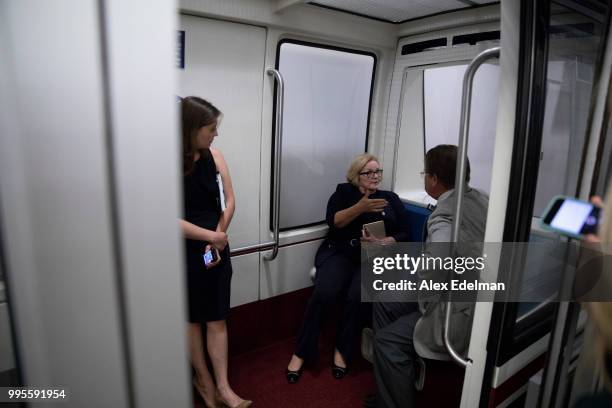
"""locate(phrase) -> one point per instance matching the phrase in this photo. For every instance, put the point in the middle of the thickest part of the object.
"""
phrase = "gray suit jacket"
(429, 330)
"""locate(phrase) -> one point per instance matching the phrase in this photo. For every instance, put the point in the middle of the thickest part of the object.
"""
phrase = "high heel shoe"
(293, 376)
(339, 372)
(221, 403)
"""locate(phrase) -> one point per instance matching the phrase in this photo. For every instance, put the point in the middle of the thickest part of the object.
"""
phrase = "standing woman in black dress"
(204, 226)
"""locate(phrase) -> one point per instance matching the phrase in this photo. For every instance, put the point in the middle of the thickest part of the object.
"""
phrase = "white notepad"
(377, 229)
(221, 191)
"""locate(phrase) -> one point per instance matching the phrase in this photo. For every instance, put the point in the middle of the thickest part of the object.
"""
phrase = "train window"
(573, 35)
(442, 99)
(325, 124)
(431, 112)
(573, 47)
(574, 43)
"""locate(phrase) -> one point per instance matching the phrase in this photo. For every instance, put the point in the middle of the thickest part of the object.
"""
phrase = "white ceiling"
(399, 10)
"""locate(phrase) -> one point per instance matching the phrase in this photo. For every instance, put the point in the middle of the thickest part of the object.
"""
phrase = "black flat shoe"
(339, 372)
(293, 376)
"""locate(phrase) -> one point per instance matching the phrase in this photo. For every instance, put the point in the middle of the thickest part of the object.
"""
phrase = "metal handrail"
(277, 172)
(278, 137)
(466, 101)
(252, 248)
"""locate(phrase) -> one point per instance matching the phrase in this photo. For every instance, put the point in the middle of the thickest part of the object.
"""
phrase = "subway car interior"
(93, 295)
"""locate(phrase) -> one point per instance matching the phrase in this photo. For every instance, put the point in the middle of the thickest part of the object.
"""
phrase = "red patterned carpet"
(260, 375)
(259, 356)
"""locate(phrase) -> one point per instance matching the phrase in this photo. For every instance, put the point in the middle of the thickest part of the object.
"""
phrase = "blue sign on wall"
(180, 49)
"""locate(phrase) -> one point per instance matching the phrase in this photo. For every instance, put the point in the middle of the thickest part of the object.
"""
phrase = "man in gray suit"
(404, 330)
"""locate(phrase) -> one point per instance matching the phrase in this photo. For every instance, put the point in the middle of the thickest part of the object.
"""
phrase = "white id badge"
(221, 193)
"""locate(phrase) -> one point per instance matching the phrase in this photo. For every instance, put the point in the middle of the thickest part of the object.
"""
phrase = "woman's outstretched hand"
(367, 204)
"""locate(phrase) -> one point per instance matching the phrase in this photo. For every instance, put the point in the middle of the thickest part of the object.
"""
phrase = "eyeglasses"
(372, 173)
(423, 173)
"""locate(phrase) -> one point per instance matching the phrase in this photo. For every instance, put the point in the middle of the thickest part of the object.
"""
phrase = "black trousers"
(394, 354)
(338, 277)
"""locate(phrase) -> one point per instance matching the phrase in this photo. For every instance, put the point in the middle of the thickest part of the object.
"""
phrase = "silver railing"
(278, 137)
(466, 102)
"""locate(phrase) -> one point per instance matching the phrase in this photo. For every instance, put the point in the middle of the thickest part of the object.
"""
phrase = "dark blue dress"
(208, 289)
(346, 240)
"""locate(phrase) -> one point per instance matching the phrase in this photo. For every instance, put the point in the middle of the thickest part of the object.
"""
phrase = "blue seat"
(418, 219)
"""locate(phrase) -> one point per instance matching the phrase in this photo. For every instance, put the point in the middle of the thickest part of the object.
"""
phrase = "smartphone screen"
(573, 217)
(208, 257)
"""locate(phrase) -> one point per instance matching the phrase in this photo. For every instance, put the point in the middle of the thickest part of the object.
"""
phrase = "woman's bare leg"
(216, 334)
(203, 379)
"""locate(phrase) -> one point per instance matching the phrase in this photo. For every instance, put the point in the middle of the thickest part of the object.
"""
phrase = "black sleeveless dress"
(208, 289)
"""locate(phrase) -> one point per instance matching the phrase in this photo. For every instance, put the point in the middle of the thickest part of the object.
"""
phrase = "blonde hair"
(601, 312)
(358, 163)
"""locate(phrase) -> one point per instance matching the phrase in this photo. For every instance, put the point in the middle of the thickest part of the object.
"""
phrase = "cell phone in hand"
(210, 256)
(571, 217)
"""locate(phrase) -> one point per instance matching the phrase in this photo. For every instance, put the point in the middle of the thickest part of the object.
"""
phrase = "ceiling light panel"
(393, 10)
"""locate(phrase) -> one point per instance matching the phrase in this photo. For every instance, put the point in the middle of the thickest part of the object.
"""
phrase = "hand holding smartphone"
(211, 256)
(571, 217)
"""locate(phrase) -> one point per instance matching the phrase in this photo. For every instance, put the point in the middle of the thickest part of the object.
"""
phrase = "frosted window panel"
(442, 100)
(568, 94)
(327, 98)
(573, 50)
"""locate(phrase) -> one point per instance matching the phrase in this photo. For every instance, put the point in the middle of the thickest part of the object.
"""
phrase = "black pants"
(394, 354)
(338, 276)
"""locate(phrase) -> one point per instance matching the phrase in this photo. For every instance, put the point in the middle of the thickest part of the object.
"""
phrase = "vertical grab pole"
(464, 126)
(278, 133)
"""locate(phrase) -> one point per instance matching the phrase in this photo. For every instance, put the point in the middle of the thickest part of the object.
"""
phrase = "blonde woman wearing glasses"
(352, 205)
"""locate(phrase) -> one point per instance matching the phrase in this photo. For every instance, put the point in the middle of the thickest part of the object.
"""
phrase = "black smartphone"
(210, 256)
(571, 217)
